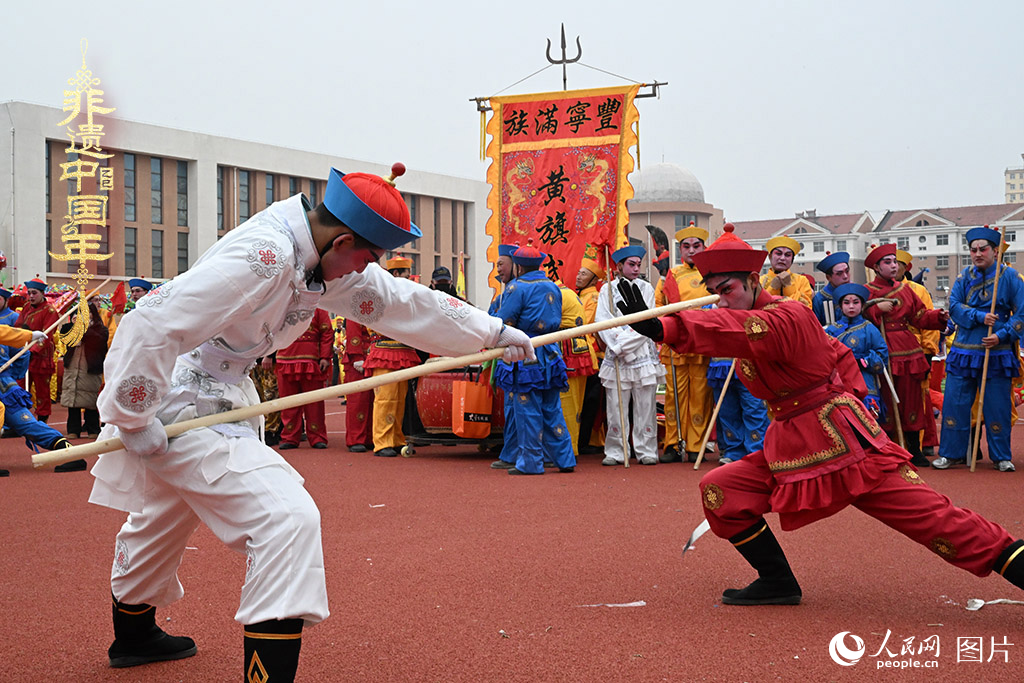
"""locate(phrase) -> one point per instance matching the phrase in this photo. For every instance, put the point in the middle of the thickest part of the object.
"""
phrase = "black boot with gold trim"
(138, 640)
(272, 651)
(1010, 564)
(74, 465)
(775, 584)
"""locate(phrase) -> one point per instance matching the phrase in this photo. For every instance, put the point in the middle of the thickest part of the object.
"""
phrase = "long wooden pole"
(441, 365)
(984, 365)
(892, 387)
(49, 329)
(714, 415)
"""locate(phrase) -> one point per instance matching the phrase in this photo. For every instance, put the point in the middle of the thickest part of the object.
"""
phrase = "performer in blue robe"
(864, 339)
(533, 304)
(742, 419)
(836, 268)
(969, 304)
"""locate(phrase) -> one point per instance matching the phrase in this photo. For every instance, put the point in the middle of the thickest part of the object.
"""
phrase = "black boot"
(1010, 564)
(671, 454)
(74, 465)
(138, 640)
(776, 584)
(913, 442)
(272, 650)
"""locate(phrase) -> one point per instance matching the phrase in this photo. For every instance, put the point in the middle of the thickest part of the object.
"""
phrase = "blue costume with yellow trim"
(822, 299)
(969, 303)
(865, 340)
(17, 403)
(20, 367)
(533, 304)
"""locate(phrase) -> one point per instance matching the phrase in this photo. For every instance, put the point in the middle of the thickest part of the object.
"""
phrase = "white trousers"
(252, 500)
(645, 419)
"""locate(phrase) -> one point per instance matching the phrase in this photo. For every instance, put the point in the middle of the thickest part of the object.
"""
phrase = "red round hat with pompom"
(371, 206)
(528, 255)
(729, 254)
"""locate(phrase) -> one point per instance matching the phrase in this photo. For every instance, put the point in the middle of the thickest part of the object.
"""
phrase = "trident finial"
(565, 59)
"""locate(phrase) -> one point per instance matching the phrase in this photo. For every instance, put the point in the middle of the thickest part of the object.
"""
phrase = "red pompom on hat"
(729, 254)
(879, 253)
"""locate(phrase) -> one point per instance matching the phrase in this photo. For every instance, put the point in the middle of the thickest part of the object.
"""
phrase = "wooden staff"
(623, 425)
(892, 387)
(714, 415)
(984, 365)
(97, 447)
(50, 329)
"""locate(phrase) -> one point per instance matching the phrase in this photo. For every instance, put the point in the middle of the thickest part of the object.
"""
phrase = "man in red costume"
(38, 314)
(823, 451)
(304, 366)
(899, 309)
(358, 406)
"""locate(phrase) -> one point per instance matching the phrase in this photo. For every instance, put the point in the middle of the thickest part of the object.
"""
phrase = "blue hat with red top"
(832, 260)
(983, 233)
(371, 207)
(139, 282)
(528, 255)
(36, 283)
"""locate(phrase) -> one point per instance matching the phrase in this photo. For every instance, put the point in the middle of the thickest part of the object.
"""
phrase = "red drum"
(434, 401)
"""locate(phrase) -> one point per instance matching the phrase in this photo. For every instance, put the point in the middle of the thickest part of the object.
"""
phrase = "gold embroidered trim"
(748, 369)
(713, 497)
(839, 446)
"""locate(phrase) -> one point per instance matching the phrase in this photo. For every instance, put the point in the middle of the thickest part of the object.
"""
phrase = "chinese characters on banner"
(86, 160)
(559, 163)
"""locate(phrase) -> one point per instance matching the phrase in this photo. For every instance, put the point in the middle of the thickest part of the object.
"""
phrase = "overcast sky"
(776, 107)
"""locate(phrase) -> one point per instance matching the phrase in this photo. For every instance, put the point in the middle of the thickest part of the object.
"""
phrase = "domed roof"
(666, 183)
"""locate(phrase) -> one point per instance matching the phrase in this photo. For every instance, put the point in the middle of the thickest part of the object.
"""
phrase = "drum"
(434, 401)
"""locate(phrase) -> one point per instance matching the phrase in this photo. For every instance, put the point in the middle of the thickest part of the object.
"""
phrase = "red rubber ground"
(441, 569)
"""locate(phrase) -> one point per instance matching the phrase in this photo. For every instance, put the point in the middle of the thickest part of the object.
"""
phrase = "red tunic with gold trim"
(909, 365)
(298, 371)
(359, 406)
(815, 445)
(39, 318)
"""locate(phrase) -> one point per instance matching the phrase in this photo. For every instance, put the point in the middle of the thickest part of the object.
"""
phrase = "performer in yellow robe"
(592, 429)
(779, 280)
(580, 362)
(686, 377)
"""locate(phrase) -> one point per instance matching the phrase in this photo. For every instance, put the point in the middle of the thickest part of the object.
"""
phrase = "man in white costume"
(639, 369)
(182, 354)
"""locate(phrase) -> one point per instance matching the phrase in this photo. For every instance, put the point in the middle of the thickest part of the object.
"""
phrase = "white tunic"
(637, 354)
(187, 348)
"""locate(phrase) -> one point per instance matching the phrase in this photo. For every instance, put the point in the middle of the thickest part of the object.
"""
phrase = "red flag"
(118, 299)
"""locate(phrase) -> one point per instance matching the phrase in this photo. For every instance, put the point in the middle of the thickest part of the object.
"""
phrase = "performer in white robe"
(639, 372)
(186, 351)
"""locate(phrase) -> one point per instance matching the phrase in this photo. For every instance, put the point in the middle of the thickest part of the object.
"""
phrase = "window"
(293, 186)
(182, 252)
(413, 216)
(942, 240)
(47, 184)
(129, 252)
(103, 267)
(243, 196)
(129, 188)
(922, 239)
(903, 243)
(156, 184)
(942, 262)
(455, 227)
(270, 189)
(1013, 186)
(465, 229)
(49, 247)
(437, 224)
(683, 220)
(72, 183)
(921, 224)
(158, 253)
(965, 260)
(1011, 257)
(840, 245)
(818, 246)
(312, 193)
(942, 282)
(220, 197)
(1011, 236)
(183, 193)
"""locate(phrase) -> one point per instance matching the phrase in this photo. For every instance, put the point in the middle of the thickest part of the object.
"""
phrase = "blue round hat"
(850, 288)
(832, 260)
(624, 253)
(507, 249)
(139, 282)
(983, 233)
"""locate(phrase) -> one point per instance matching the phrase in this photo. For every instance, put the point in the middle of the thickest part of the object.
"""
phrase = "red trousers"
(358, 412)
(40, 382)
(901, 501)
(312, 413)
(910, 389)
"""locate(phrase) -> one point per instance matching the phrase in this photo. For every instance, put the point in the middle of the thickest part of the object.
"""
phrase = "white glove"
(150, 440)
(517, 345)
(358, 365)
(38, 337)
